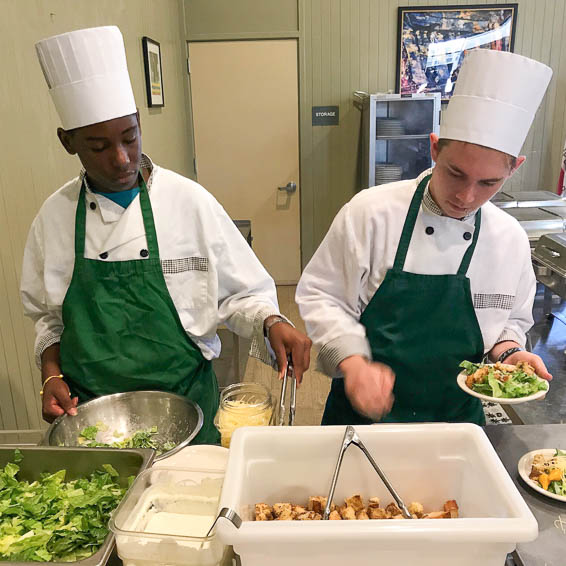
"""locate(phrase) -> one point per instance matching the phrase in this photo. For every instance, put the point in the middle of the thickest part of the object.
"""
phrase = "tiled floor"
(311, 395)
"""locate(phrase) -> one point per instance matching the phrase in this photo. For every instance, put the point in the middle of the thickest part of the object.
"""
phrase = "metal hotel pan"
(504, 200)
(78, 462)
(530, 199)
(537, 222)
(549, 262)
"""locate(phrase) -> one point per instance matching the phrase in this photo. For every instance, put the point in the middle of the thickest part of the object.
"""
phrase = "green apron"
(422, 326)
(122, 331)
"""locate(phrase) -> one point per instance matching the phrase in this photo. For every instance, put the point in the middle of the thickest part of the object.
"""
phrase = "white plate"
(524, 468)
(502, 401)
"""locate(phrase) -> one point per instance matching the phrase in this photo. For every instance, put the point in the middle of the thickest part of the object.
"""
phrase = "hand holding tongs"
(289, 374)
(351, 437)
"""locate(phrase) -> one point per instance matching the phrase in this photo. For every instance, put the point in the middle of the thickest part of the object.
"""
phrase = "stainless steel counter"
(511, 442)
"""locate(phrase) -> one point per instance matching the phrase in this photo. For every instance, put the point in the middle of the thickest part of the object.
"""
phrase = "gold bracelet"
(60, 376)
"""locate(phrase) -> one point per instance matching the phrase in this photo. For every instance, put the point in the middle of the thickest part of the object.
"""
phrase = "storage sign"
(325, 116)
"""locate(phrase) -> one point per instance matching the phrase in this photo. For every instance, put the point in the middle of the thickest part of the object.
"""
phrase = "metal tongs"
(351, 437)
(289, 375)
(224, 513)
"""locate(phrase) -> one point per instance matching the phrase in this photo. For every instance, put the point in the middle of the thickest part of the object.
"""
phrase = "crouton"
(377, 513)
(317, 504)
(263, 512)
(374, 502)
(451, 507)
(356, 502)
(392, 510)
(347, 513)
(437, 515)
(334, 516)
(298, 510)
(416, 508)
(362, 515)
(309, 516)
(279, 508)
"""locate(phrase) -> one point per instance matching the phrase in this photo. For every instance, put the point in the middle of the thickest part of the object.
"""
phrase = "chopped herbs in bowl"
(147, 438)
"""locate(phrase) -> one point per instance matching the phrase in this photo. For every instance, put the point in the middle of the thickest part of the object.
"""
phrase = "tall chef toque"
(495, 100)
(87, 76)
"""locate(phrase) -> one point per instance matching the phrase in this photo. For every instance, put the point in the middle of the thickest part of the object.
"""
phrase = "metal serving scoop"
(351, 437)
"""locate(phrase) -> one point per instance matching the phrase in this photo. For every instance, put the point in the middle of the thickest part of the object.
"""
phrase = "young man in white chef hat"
(129, 268)
(416, 276)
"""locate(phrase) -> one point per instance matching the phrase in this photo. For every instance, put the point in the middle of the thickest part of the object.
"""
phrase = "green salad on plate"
(503, 381)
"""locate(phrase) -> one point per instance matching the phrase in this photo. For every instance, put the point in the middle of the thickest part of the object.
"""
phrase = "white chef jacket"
(211, 272)
(351, 262)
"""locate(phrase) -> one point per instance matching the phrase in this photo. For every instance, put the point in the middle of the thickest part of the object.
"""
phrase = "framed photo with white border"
(433, 41)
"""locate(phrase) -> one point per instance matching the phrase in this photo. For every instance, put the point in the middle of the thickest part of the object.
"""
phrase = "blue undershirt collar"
(121, 198)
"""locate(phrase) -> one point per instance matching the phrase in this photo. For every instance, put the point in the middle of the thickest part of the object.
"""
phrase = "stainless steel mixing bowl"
(177, 419)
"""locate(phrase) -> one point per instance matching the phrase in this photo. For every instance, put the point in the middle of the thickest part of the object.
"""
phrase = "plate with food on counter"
(545, 471)
(505, 384)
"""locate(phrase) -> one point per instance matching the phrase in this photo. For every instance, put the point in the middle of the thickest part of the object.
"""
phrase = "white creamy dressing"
(183, 524)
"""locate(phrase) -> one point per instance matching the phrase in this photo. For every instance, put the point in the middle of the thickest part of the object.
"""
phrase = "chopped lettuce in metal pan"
(54, 520)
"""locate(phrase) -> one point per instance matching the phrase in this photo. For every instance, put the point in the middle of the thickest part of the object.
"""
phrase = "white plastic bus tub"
(429, 463)
(189, 497)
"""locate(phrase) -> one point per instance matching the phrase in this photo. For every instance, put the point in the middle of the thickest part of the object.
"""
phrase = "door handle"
(290, 187)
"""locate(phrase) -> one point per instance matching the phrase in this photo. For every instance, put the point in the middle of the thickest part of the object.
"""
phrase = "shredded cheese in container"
(242, 404)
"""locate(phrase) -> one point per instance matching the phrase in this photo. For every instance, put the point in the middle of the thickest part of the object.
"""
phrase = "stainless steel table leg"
(547, 302)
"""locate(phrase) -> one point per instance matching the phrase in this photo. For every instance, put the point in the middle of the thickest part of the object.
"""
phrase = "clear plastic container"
(242, 404)
(164, 518)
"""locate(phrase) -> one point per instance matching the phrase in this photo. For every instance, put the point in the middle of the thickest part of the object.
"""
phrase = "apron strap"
(409, 225)
(149, 224)
(80, 223)
(147, 215)
(463, 269)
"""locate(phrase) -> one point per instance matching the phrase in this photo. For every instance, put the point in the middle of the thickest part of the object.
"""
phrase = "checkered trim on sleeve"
(493, 301)
(43, 343)
(184, 264)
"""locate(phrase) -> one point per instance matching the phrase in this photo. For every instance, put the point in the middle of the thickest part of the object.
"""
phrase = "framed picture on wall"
(433, 41)
(153, 72)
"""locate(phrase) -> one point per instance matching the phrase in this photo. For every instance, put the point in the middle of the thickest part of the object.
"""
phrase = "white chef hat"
(495, 100)
(87, 75)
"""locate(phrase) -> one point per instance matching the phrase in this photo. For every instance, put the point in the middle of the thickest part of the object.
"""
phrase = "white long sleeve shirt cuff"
(333, 352)
(260, 347)
(512, 335)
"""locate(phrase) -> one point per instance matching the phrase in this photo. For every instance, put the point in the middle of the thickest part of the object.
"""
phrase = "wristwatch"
(273, 319)
(508, 352)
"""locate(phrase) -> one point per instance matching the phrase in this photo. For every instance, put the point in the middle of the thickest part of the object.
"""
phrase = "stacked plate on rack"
(387, 127)
(387, 173)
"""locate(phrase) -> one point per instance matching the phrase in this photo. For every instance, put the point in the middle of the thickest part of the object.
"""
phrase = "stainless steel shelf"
(404, 137)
